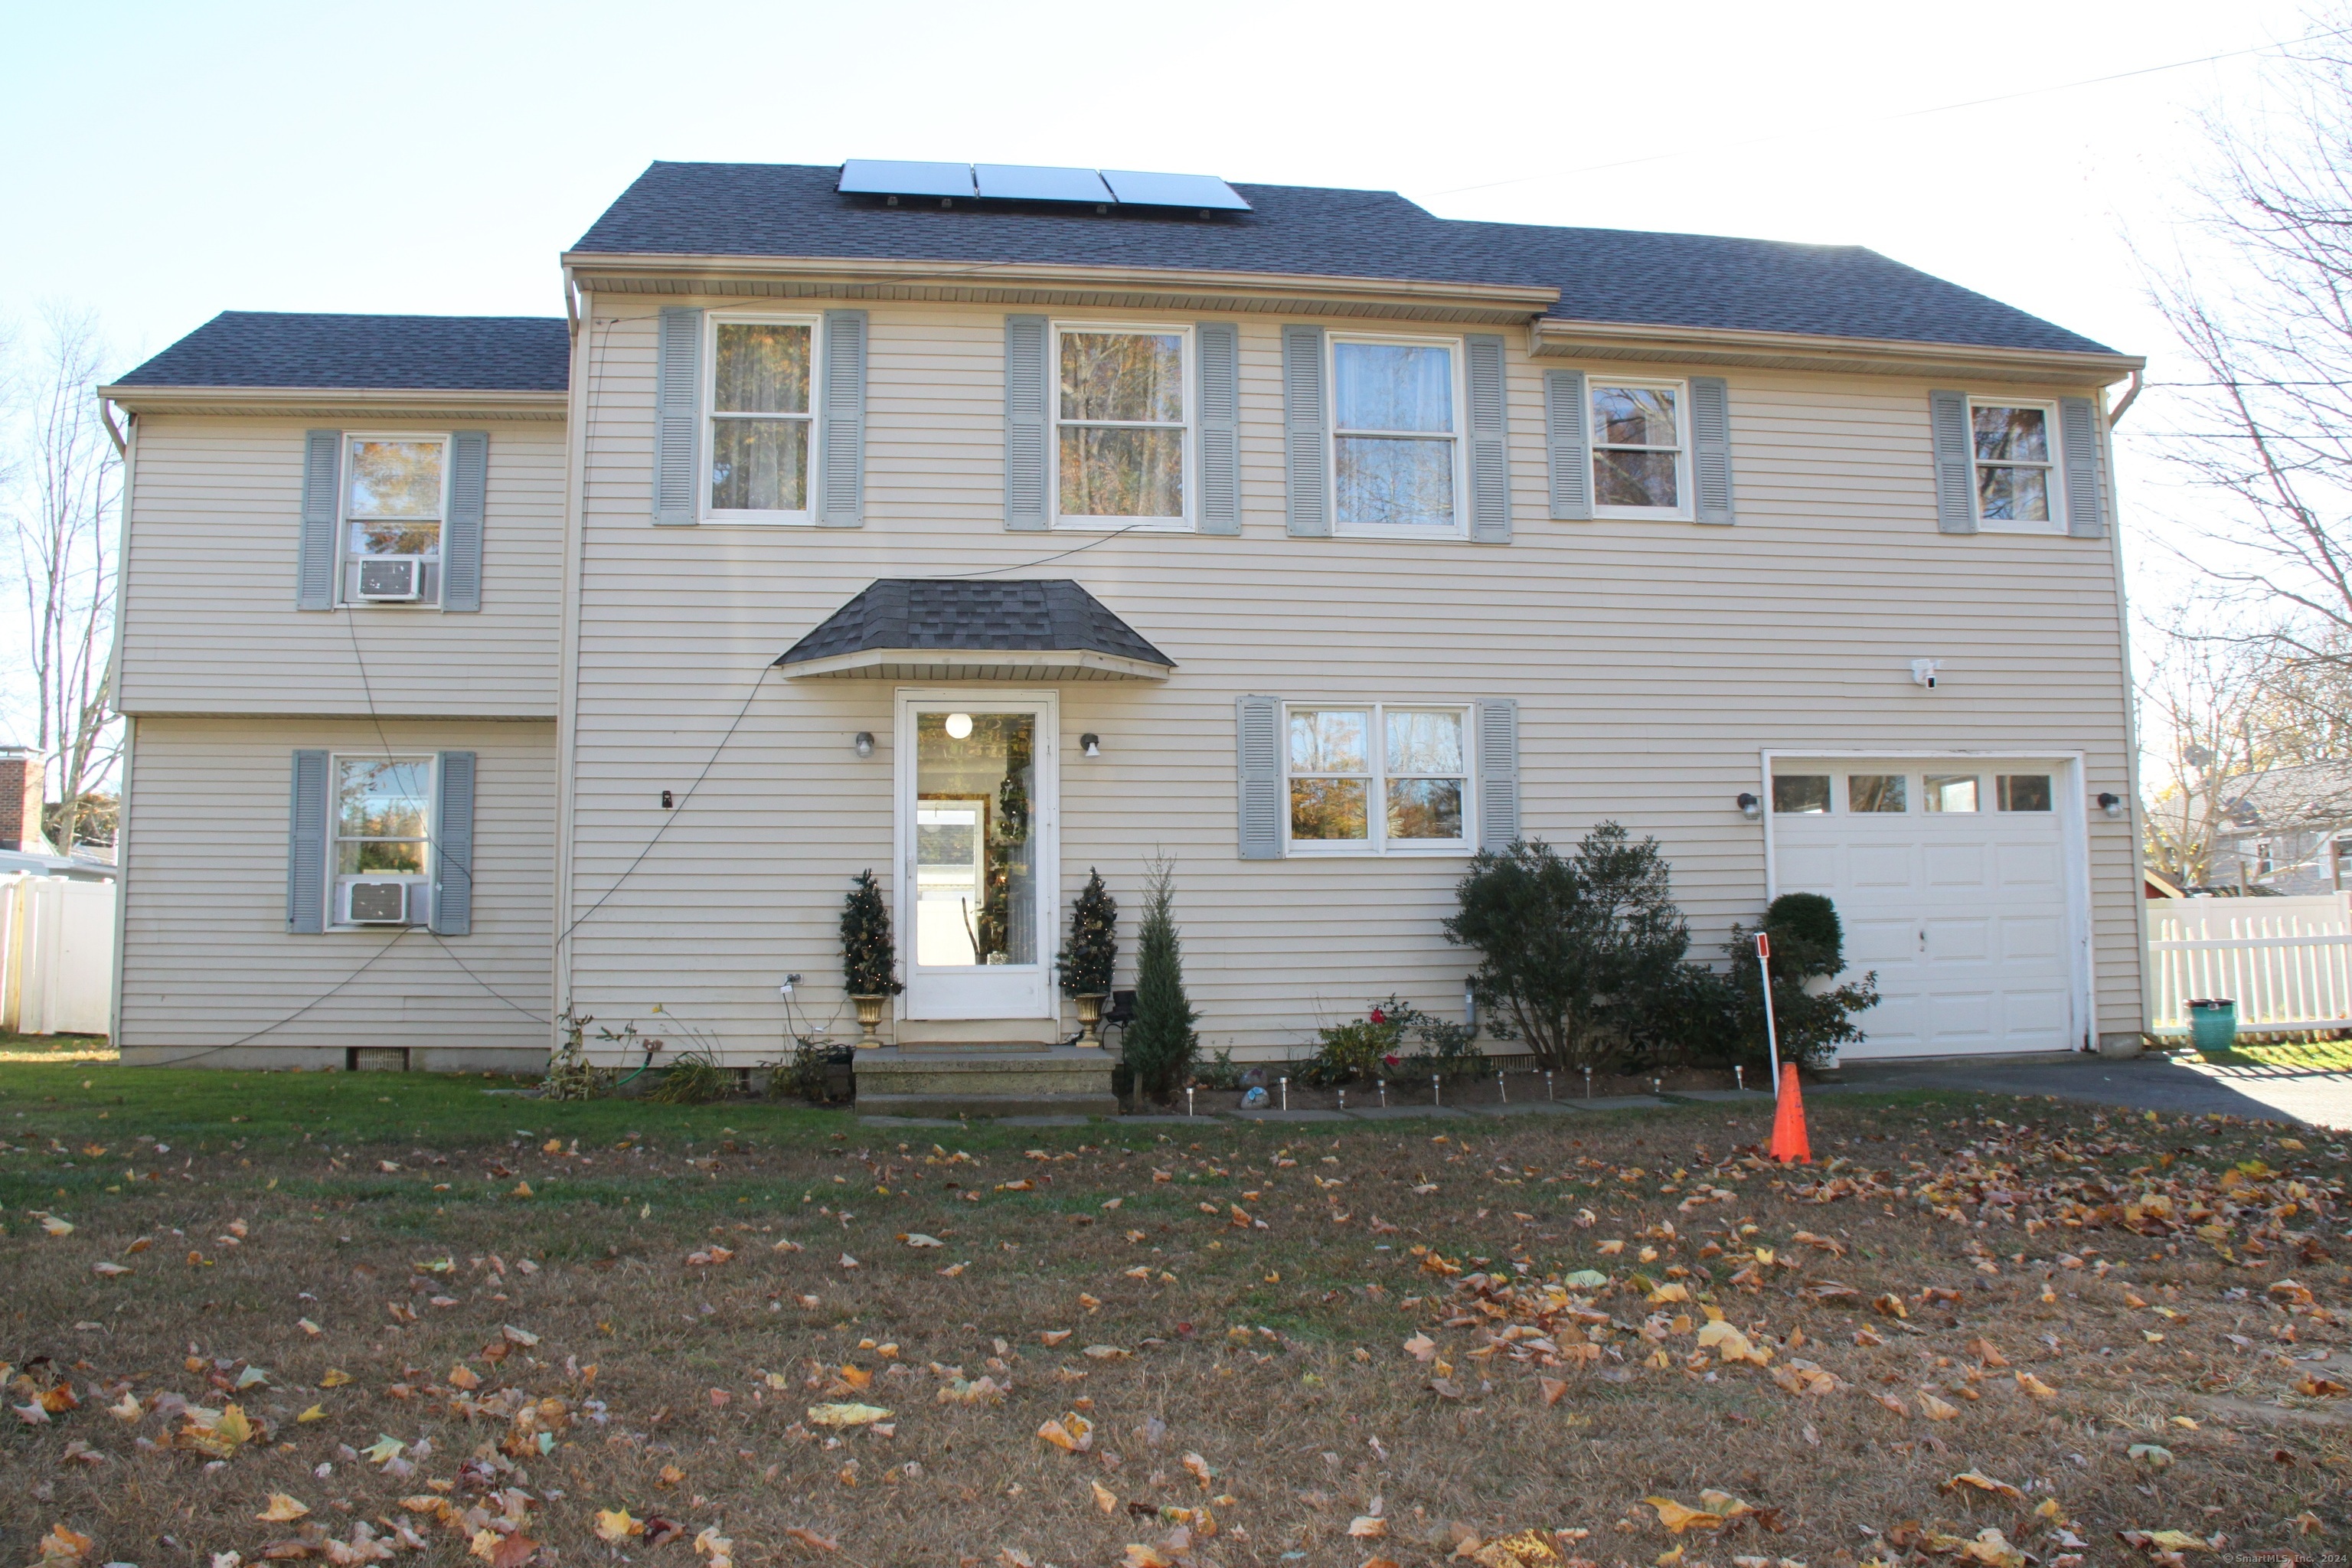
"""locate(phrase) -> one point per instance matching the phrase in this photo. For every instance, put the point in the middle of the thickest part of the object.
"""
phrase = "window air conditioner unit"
(376, 904)
(392, 578)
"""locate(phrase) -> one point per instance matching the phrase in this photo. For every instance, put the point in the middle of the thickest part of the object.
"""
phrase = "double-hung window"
(2016, 452)
(1641, 450)
(1122, 413)
(379, 814)
(1395, 436)
(396, 495)
(1375, 778)
(762, 399)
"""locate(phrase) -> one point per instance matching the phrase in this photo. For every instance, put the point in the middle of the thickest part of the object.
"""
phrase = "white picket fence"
(56, 955)
(2287, 962)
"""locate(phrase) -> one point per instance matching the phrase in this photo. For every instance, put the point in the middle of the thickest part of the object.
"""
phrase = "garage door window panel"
(1869, 793)
(2023, 791)
(1949, 791)
(1801, 794)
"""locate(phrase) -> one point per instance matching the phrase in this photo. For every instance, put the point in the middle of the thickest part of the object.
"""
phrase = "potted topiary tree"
(870, 957)
(1087, 962)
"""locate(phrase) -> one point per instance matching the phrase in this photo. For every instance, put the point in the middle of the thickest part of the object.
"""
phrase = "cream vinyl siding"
(207, 958)
(209, 622)
(1653, 661)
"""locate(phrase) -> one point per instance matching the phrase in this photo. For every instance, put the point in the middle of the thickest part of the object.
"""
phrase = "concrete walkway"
(2174, 1085)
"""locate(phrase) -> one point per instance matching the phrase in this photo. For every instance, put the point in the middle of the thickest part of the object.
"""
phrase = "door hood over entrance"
(944, 630)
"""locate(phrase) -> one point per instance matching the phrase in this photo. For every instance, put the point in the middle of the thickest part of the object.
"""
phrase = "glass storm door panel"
(977, 814)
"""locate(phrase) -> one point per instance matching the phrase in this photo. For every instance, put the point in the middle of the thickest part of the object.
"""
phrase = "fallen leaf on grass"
(54, 1226)
(1072, 1433)
(2035, 1386)
(1805, 1378)
(1990, 1548)
(1678, 1517)
(846, 1415)
(1730, 1344)
(1198, 1468)
(917, 1239)
(316, 1412)
(1105, 1498)
(1051, 1337)
(1105, 1352)
(1985, 1351)
(64, 1547)
(1893, 1404)
(1935, 1409)
(282, 1509)
(335, 1378)
(1890, 1305)
(2154, 1456)
(1141, 1556)
(1984, 1483)
(811, 1538)
(126, 1408)
(2319, 1387)
(1420, 1347)
(1367, 1527)
(616, 1524)
(108, 1271)
(2163, 1541)
(1551, 1388)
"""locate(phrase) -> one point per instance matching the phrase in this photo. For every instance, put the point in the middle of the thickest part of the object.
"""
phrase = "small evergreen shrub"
(870, 957)
(1159, 1044)
(1093, 951)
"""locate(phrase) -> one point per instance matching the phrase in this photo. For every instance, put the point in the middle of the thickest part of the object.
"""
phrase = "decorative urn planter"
(870, 1016)
(1091, 1008)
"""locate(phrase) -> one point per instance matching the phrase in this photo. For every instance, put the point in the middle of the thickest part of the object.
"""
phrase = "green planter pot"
(2212, 1024)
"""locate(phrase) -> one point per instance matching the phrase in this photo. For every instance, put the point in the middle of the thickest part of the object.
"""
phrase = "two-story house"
(984, 526)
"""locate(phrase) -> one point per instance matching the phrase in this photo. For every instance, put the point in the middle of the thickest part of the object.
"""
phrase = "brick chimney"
(20, 801)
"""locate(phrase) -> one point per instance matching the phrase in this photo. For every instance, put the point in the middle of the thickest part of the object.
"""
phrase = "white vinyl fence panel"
(56, 955)
(2287, 963)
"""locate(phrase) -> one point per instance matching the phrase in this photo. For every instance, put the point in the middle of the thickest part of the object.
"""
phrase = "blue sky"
(167, 162)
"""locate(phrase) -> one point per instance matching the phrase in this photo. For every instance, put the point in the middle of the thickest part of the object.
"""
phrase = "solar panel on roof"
(891, 177)
(1137, 189)
(1028, 182)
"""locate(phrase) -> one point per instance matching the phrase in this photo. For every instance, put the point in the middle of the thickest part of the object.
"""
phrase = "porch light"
(2111, 802)
(863, 742)
(1749, 807)
(1091, 743)
(958, 726)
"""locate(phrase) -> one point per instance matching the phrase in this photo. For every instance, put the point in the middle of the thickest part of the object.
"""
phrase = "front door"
(977, 831)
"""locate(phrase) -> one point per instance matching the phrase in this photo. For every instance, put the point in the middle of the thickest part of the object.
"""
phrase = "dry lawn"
(415, 1338)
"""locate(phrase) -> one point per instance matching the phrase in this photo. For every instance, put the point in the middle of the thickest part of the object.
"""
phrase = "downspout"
(578, 419)
(2135, 814)
(2116, 415)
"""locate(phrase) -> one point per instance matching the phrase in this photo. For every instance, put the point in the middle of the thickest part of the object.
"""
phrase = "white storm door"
(1963, 915)
(979, 822)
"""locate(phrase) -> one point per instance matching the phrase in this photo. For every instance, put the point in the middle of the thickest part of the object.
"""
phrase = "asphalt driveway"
(2174, 1085)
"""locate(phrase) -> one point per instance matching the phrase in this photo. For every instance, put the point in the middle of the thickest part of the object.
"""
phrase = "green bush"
(1811, 1021)
(1571, 948)
(692, 1078)
(1375, 1046)
(1811, 920)
(1159, 1045)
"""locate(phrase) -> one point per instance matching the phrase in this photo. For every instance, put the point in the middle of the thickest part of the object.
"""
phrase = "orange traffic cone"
(1789, 1141)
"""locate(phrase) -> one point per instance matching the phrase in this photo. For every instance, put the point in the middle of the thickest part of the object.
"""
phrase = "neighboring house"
(481, 670)
(2288, 831)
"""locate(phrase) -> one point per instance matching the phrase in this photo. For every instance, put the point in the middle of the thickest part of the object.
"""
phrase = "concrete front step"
(950, 1080)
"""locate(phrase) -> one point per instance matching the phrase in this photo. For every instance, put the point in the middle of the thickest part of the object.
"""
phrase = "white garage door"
(1950, 879)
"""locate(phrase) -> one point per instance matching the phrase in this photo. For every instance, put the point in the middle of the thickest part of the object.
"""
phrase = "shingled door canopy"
(923, 628)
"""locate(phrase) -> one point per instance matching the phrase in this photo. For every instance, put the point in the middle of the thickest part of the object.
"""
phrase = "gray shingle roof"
(1023, 615)
(438, 353)
(1603, 274)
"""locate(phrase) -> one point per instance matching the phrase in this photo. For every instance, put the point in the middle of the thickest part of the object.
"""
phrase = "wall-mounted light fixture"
(863, 742)
(666, 801)
(1923, 672)
(958, 726)
(1091, 743)
(1749, 807)
(2111, 802)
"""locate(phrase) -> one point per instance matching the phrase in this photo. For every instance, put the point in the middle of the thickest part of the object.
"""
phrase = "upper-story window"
(1641, 455)
(1394, 437)
(1121, 415)
(395, 496)
(2016, 451)
(762, 397)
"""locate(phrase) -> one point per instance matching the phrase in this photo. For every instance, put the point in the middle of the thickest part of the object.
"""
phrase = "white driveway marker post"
(1771, 1031)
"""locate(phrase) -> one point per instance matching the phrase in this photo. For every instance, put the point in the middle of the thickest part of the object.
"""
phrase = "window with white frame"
(1640, 451)
(396, 495)
(762, 399)
(2016, 452)
(1377, 778)
(382, 810)
(1394, 435)
(1122, 412)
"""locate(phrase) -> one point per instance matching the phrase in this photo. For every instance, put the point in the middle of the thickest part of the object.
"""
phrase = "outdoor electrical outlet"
(786, 989)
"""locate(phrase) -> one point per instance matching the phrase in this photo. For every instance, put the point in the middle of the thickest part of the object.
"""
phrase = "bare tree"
(2264, 310)
(62, 512)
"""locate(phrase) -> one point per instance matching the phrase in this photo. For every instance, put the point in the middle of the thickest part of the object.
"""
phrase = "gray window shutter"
(2086, 501)
(1711, 447)
(1490, 446)
(1024, 421)
(1956, 479)
(1219, 345)
(453, 846)
(1259, 725)
(1498, 773)
(840, 434)
(1306, 442)
(1565, 424)
(461, 531)
(677, 418)
(306, 847)
(322, 465)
